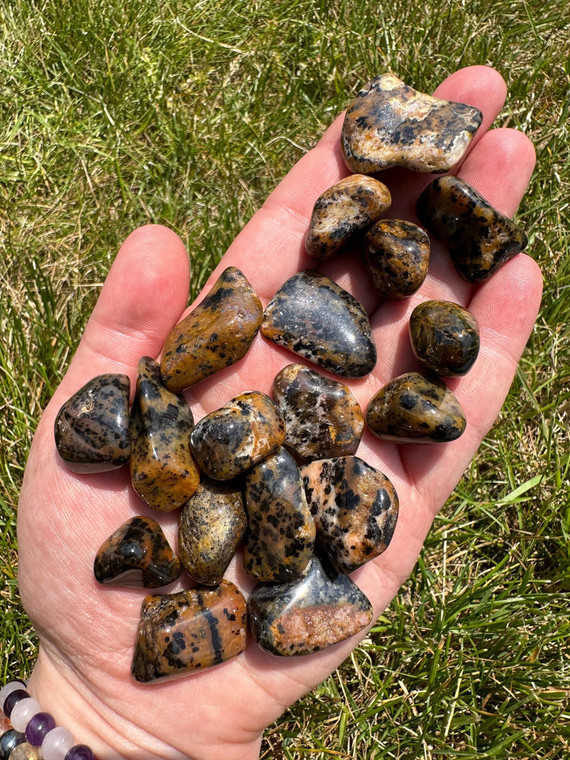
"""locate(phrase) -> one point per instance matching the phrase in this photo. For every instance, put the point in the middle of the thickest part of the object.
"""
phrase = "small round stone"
(12, 699)
(9, 741)
(38, 727)
(57, 744)
(80, 752)
(445, 337)
(8, 689)
(23, 712)
(397, 255)
(26, 751)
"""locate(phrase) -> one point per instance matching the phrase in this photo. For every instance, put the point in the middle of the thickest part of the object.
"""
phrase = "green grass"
(117, 113)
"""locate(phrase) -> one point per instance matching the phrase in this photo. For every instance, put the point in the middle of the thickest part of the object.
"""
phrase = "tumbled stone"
(343, 211)
(355, 509)
(137, 555)
(314, 317)
(92, 427)
(314, 612)
(445, 337)
(189, 631)
(232, 439)
(25, 751)
(480, 239)
(217, 333)
(281, 531)
(413, 409)
(211, 526)
(322, 417)
(397, 254)
(390, 124)
(163, 471)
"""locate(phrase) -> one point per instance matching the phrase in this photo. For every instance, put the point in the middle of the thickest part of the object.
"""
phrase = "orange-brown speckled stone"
(355, 509)
(391, 124)
(232, 439)
(215, 335)
(189, 631)
(343, 211)
(397, 254)
(163, 471)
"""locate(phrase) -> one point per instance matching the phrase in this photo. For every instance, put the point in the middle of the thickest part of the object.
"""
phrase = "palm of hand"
(87, 631)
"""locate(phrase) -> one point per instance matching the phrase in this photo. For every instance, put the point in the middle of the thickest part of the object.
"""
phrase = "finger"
(142, 298)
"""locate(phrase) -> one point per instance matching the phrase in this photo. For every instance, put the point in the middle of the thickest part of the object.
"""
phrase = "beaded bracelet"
(24, 728)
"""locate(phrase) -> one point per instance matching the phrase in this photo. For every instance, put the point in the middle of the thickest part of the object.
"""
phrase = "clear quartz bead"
(57, 744)
(9, 688)
(25, 751)
(23, 712)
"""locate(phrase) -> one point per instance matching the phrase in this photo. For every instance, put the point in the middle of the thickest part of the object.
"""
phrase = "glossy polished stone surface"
(314, 612)
(25, 751)
(480, 239)
(343, 211)
(281, 531)
(192, 630)
(322, 417)
(445, 337)
(216, 334)
(137, 555)
(232, 439)
(355, 509)
(414, 409)
(397, 254)
(390, 124)
(163, 471)
(92, 427)
(317, 319)
(211, 526)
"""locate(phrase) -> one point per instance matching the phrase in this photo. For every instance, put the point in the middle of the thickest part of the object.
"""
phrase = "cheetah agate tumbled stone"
(216, 334)
(397, 254)
(317, 319)
(322, 417)
(163, 471)
(232, 439)
(391, 124)
(188, 631)
(311, 613)
(92, 427)
(281, 531)
(480, 239)
(444, 337)
(414, 409)
(343, 211)
(137, 555)
(211, 526)
(355, 509)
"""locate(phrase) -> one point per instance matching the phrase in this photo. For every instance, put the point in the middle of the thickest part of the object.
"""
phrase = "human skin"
(86, 631)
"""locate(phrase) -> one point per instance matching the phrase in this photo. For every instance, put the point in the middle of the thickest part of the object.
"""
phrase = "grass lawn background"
(114, 114)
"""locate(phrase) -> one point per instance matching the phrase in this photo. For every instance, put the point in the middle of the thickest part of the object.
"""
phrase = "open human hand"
(87, 632)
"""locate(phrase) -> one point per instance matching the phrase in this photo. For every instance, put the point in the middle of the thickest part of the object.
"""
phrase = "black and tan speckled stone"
(137, 555)
(480, 239)
(322, 417)
(397, 254)
(216, 334)
(232, 439)
(344, 211)
(192, 630)
(92, 427)
(390, 124)
(444, 337)
(312, 613)
(355, 509)
(281, 531)
(163, 471)
(415, 409)
(317, 319)
(211, 526)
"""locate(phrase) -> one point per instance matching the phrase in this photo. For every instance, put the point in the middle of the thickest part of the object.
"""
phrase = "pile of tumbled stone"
(281, 475)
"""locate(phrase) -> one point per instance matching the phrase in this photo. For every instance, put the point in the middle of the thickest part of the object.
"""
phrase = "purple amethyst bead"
(12, 700)
(38, 727)
(79, 752)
